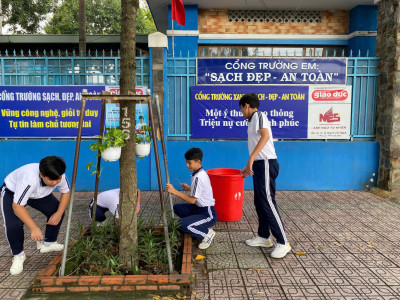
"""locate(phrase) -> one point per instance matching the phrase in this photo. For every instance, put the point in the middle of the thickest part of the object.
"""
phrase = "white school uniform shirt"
(109, 199)
(26, 184)
(257, 121)
(201, 189)
(139, 125)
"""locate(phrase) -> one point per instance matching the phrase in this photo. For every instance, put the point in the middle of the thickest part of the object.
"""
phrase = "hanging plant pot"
(111, 154)
(142, 149)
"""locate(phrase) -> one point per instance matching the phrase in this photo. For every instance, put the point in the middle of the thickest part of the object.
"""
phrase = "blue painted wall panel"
(364, 44)
(303, 165)
(363, 18)
(191, 18)
(185, 46)
(17, 153)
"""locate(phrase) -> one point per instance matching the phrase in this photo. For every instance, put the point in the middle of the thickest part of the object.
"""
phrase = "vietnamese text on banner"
(261, 71)
(47, 111)
(216, 111)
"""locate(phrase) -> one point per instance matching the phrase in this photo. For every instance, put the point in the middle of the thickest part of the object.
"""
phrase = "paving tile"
(265, 292)
(374, 292)
(221, 236)
(301, 292)
(344, 260)
(11, 294)
(339, 292)
(259, 277)
(242, 248)
(290, 261)
(227, 293)
(295, 276)
(396, 290)
(226, 278)
(327, 276)
(246, 261)
(240, 237)
(316, 260)
(389, 276)
(221, 262)
(360, 276)
(219, 248)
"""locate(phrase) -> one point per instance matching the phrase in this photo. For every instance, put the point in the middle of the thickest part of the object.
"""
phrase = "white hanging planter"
(111, 154)
(142, 149)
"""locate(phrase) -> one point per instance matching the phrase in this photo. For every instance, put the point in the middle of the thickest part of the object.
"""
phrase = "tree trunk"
(127, 162)
(1, 19)
(82, 27)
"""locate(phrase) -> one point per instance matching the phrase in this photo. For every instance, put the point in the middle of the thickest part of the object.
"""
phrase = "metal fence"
(65, 69)
(68, 69)
(362, 75)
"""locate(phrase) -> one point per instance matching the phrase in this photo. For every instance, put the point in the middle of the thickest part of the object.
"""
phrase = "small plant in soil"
(95, 251)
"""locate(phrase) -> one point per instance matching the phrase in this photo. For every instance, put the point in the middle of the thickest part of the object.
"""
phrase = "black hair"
(194, 154)
(52, 167)
(141, 117)
(251, 99)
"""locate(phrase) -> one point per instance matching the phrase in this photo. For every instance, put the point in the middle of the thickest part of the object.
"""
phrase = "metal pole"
(164, 151)
(164, 217)
(74, 172)
(173, 46)
(96, 186)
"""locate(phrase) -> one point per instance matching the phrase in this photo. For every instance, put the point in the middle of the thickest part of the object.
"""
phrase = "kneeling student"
(198, 215)
(33, 185)
(109, 201)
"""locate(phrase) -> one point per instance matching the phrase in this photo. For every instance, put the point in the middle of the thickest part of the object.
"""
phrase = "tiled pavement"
(351, 241)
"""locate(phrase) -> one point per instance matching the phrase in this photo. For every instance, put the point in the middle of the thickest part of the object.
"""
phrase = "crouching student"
(33, 185)
(109, 201)
(198, 215)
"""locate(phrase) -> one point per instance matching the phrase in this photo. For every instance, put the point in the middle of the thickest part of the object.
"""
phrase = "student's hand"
(36, 234)
(247, 171)
(137, 209)
(170, 188)
(54, 219)
(185, 187)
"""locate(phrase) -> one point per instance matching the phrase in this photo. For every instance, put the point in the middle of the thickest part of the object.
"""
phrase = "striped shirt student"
(33, 185)
(263, 166)
(198, 214)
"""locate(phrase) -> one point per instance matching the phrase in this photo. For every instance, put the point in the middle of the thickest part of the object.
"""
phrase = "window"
(270, 51)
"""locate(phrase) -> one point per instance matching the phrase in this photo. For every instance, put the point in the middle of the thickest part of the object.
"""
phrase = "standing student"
(109, 201)
(141, 123)
(33, 185)
(198, 214)
(264, 167)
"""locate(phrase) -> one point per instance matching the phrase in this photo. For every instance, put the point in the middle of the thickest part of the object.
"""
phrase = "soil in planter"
(95, 252)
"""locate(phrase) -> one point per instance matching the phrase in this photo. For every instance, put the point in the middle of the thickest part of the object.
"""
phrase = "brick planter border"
(48, 281)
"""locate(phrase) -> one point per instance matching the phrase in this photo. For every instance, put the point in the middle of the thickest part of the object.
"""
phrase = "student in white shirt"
(263, 166)
(33, 185)
(141, 123)
(109, 201)
(198, 215)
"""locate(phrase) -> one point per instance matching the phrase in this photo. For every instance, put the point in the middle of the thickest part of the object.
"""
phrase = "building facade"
(261, 30)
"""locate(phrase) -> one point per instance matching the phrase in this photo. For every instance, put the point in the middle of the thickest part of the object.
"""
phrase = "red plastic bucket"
(228, 186)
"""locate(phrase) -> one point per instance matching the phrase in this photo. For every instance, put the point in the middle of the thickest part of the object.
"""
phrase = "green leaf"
(89, 165)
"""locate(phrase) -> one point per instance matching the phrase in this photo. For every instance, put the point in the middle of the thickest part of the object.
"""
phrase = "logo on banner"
(329, 95)
(329, 116)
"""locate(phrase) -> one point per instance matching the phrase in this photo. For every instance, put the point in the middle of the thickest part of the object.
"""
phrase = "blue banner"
(261, 71)
(47, 111)
(216, 111)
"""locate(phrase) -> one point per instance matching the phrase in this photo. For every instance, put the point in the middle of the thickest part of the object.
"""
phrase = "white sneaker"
(18, 264)
(207, 240)
(53, 247)
(281, 250)
(259, 241)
